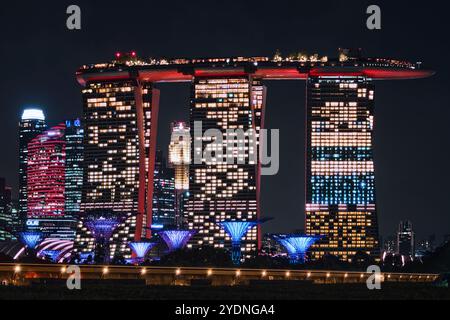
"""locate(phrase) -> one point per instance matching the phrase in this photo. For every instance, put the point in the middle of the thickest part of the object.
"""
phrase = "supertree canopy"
(141, 249)
(297, 246)
(237, 230)
(101, 227)
(176, 239)
(31, 239)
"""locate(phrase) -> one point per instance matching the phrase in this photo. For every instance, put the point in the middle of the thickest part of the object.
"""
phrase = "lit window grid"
(340, 166)
(46, 174)
(112, 157)
(221, 191)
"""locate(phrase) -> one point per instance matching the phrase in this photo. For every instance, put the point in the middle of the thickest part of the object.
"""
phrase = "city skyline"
(393, 171)
(258, 89)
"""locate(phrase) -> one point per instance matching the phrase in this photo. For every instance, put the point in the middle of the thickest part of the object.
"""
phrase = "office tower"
(406, 239)
(31, 125)
(220, 190)
(180, 159)
(6, 213)
(340, 173)
(74, 135)
(46, 181)
(163, 194)
(120, 122)
(16, 223)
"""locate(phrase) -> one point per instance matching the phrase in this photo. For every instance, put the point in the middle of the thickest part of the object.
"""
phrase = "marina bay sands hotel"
(121, 120)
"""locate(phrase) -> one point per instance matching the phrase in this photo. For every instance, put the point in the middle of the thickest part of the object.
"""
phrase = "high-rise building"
(6, 213)
(74, 135)
(164, 216)
(46, 179)
(46, 173)
(31, 125)
(180, 159)
(220, 190)
(340, 173)
(406, 239)
(120, 122)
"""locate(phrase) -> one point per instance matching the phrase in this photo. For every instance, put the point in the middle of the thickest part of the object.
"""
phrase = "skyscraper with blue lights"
(340, 173)
(163, 194)
(74, 170)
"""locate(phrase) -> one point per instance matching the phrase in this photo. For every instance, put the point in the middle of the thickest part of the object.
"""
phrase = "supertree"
(237, 230)
(102, 228)
(297, 246)
(141, 249)
(31, 239)
(176, 239)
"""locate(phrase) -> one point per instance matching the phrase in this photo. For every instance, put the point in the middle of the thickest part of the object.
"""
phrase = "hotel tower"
(340, 172)
(119, 150)
(220, 190)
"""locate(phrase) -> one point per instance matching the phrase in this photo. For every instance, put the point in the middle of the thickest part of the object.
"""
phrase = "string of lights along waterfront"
(120, 122)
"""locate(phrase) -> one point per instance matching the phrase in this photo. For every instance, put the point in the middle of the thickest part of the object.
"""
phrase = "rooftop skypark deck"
(293, 67)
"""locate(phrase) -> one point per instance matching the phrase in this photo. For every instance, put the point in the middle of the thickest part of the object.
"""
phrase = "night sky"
(39, 57)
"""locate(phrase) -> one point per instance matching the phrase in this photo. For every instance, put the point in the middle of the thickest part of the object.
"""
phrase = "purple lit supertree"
(176, 239)
(102, 228)
(297, 246)
(140, 249)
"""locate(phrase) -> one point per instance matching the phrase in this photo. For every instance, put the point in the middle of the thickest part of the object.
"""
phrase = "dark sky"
(39, 57)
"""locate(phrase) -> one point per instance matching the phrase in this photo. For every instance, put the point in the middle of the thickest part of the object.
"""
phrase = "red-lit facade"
(46, 174)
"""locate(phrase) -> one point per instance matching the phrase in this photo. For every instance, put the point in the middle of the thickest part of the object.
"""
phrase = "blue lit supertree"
(297, 246)
(141, 249)
(102, 228)
(237, 230)
(176, 239)
(31, 239)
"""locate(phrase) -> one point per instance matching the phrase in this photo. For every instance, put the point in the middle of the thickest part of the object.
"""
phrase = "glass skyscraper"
(54, 189)
(164, 194)
(406, 243)
(6, 213)
(31, 125)
(74, 135)
(340, 173)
